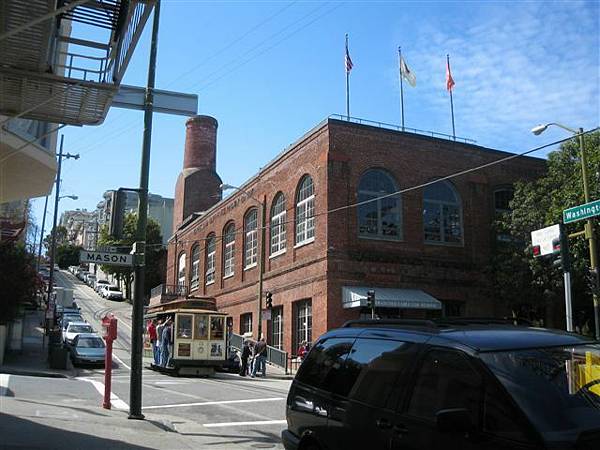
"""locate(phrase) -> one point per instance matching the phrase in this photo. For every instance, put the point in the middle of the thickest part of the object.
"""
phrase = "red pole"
(107, 373)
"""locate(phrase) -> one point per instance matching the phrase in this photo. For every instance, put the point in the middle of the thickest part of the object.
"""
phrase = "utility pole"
(56, 200)
(135, 385)
(39, 258)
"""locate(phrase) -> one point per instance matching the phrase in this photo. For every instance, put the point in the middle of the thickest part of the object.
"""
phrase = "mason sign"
(113, 259)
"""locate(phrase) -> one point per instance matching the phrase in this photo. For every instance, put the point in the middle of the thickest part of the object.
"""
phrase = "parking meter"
(109, 324)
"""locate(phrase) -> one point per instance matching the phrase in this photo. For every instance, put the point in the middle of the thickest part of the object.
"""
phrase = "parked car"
(81, 274)
(100, 284)
(65, 319)
(87, 348)
(111, 292)
(75, 328)
(460, 385)
(90, 280)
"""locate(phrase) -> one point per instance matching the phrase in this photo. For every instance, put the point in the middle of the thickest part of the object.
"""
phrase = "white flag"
(406, 73)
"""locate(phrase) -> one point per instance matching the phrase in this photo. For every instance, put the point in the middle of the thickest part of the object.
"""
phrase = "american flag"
(449, 80)
(349, 64)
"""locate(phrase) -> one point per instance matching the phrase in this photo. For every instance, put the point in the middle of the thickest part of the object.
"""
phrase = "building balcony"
(164, 293)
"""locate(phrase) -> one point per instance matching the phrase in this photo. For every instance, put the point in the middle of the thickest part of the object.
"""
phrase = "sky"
(269, 71)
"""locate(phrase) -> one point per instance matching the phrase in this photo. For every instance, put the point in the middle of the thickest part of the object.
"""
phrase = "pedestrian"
(260, 358)
(159, 328)
(302, 350)
(151, 329)
(244, 357)
(166, 339)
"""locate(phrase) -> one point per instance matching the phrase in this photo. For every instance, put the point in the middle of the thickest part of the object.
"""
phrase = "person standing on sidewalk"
(260, 358)
(244, 358)
(151, 329)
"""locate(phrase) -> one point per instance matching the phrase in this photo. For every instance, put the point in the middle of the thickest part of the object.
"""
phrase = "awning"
(356, 296)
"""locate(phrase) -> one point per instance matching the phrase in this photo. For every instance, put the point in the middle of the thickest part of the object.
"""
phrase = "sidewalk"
(33, 359)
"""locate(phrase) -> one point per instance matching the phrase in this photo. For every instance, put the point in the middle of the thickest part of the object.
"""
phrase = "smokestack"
(198, 185)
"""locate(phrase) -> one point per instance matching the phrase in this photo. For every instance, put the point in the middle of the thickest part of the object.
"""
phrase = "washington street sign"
(112, 259)
(582, 212)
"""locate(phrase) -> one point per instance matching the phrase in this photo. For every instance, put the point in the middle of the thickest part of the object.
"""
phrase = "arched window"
(379, 218)
(181, 271)
(228, 250)
(251, 239)
(211, 251)
(278, 225)
(305, 211)
(195, 275)
(442, 214)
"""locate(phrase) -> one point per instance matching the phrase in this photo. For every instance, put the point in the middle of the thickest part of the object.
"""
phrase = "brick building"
(423, 252)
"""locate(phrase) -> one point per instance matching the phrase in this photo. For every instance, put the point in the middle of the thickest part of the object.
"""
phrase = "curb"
(33, 373)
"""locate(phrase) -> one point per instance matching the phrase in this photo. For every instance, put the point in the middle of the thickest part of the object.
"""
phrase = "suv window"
(446, 380)
(377, 368)
(323, 367)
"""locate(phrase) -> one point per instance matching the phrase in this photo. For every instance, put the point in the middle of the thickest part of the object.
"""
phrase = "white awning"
(356, 296)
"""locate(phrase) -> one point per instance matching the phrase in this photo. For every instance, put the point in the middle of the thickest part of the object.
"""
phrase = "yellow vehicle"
(199, 337)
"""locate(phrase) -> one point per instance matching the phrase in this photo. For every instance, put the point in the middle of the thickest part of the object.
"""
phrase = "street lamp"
(261, 258)
(589, 230)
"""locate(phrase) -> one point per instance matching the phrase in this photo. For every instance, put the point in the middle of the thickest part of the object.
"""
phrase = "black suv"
(464, 384)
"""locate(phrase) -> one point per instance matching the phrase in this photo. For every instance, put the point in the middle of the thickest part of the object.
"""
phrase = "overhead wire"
(266, 227)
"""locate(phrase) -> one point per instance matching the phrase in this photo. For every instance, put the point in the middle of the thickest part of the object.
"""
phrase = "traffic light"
(560, 251)
(371, 299)
(117, 213)
(269, 296)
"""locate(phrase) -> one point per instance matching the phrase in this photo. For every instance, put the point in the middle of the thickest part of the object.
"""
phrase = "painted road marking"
(241, 424)
(121, 361)
(4, 384)
(221, 402)
(115, 401)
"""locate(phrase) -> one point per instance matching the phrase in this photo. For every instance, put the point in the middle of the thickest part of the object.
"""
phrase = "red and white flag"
(449, 79)
(348, 60)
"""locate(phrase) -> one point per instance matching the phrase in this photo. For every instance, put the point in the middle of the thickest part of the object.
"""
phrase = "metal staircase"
(68, 67)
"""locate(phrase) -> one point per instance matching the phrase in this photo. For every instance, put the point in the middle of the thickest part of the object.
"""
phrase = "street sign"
(582, 212)
(111, 259)
(168, 102)
(266, 314)
(544, 237)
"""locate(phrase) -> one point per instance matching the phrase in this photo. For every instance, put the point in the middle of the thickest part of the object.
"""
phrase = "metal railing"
(169, 290)
(275, 356)
(390, 126)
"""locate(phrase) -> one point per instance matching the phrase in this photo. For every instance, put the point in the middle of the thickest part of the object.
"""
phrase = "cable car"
(199, 337)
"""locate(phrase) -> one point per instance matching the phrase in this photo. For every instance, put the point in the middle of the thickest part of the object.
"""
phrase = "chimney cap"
(201, 118)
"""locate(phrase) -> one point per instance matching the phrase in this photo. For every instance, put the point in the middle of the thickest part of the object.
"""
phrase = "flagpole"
(347, 85)
(401, 85)
(451, 102)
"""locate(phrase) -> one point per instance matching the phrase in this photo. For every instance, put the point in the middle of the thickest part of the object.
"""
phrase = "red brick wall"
(335, 155)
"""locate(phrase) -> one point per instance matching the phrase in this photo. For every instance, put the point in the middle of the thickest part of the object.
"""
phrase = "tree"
(154, 251)
(18, 279)
(61, 238)
(67, 255)
(518, 279)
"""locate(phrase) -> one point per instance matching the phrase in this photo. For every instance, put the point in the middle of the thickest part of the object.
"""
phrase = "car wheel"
(310, 445)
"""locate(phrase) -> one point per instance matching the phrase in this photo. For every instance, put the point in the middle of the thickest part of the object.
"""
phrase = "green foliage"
(18, 279)
(67, 255)
(61, 238)
(520, 280)
(154, 253)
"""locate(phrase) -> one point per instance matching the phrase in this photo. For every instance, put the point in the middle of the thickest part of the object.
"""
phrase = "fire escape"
(68, 67)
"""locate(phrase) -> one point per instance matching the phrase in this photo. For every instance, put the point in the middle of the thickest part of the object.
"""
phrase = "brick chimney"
(198, 185)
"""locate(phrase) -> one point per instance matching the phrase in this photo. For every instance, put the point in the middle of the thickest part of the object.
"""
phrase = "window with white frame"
(380, 217)
(246, 323)
(181, 271)
(442, 214)
(277, 327)
(228, 250)
(305, 211)
(211, 251)
(251, 239)
(278, 215)
(195, 275)
(302, 323)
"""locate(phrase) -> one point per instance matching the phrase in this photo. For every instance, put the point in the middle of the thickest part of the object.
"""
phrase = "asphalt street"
(221, 408)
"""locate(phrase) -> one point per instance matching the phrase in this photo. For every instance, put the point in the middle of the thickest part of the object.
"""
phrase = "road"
(224, 408)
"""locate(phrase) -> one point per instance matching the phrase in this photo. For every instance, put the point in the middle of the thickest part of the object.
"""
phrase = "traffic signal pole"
(137, 331)
(565, 259)
(261, 264)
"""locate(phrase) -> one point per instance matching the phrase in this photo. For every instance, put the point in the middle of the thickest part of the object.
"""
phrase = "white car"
(90, 280)
(75, 328)
(111, 292)
(100, 284)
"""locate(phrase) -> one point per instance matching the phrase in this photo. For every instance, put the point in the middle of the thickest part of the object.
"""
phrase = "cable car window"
(184, 326)
(216, 327)
(201, 330)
